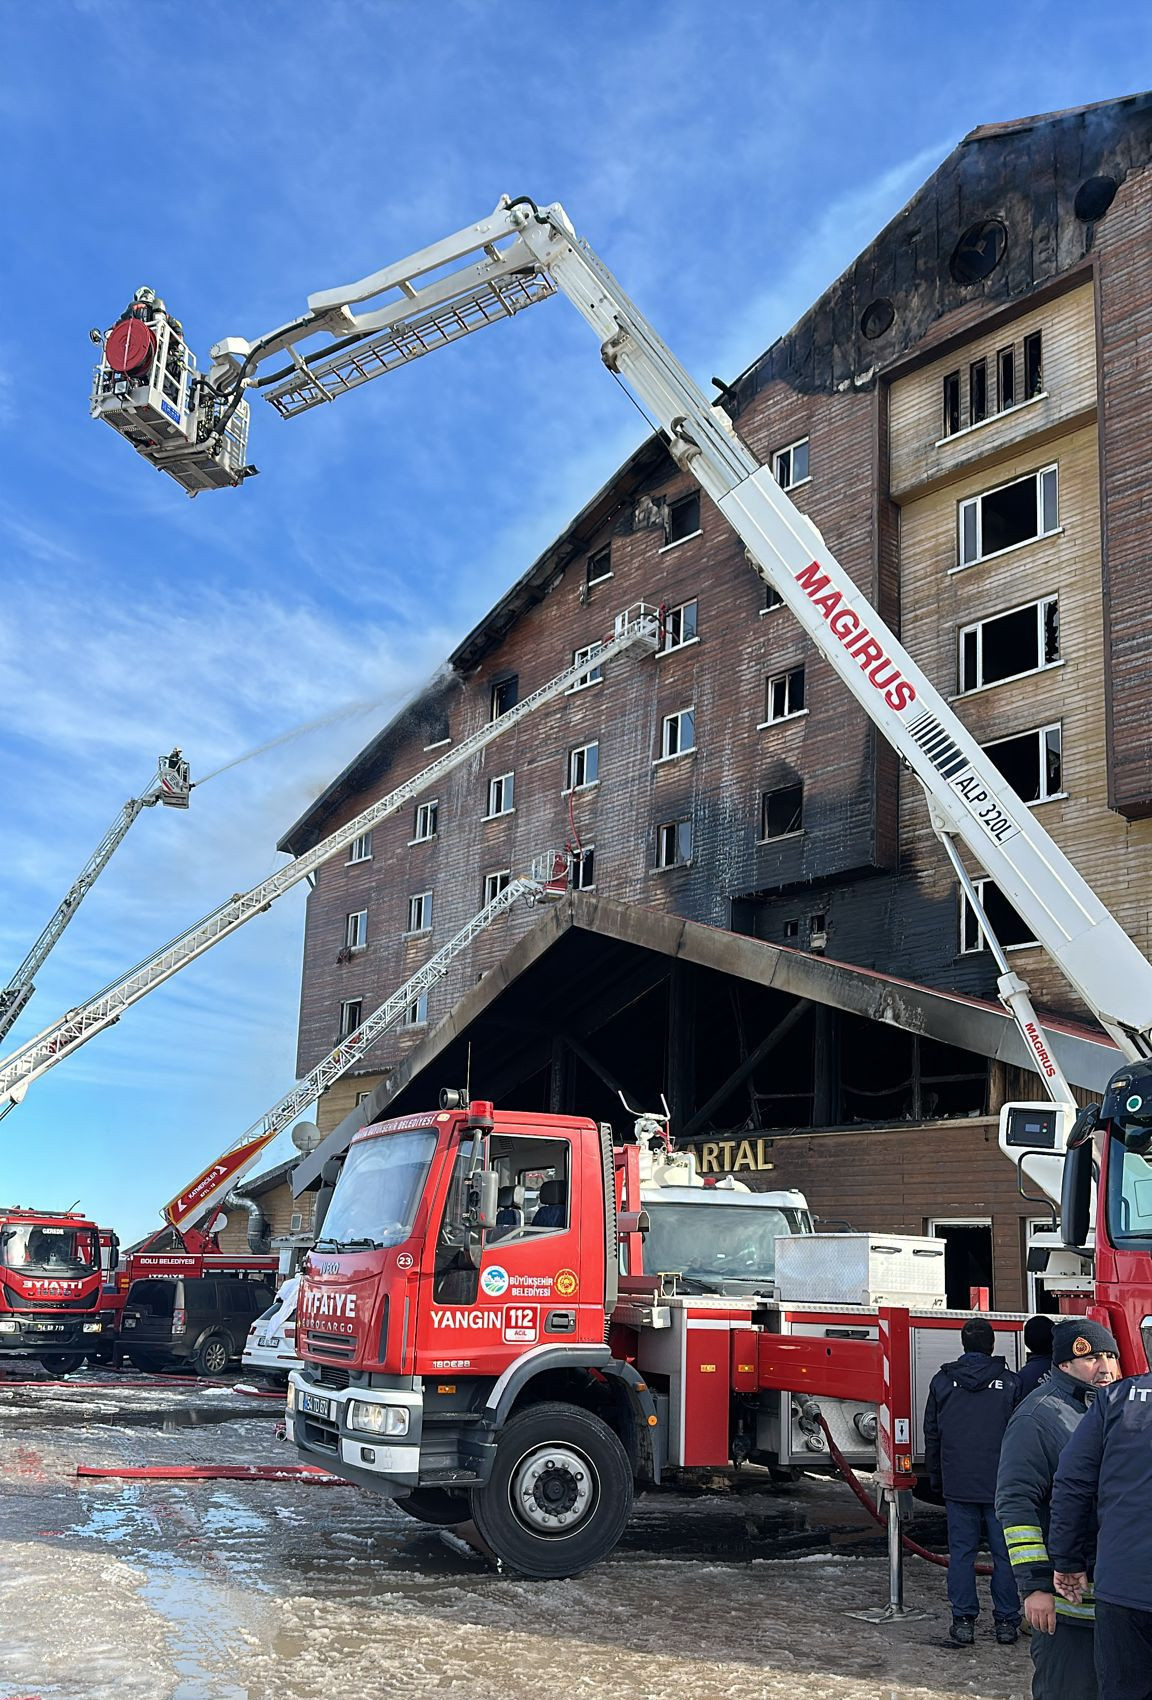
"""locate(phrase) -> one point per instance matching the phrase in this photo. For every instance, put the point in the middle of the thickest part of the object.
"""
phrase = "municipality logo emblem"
(494, 1281)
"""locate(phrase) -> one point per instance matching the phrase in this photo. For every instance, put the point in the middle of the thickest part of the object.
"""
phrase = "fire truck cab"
(50, 1287)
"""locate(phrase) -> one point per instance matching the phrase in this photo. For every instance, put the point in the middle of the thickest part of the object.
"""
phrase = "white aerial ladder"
(521, 254)
(171, 787)
(637, 626)
(548, 881)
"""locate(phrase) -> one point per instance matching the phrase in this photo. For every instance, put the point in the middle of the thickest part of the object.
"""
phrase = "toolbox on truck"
(861, 1269)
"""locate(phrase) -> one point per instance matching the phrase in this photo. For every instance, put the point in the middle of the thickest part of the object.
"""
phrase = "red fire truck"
(50, 1287)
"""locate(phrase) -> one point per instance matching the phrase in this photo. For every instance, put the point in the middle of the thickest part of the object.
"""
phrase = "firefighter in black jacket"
(1105, 1481)
(969, 1404)
(1084, 1358)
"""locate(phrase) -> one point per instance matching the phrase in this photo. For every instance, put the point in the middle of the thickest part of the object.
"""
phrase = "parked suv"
(202, 1320)
(271, 1345)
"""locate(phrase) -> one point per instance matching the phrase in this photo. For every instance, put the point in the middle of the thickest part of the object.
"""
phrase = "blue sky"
(727, 159)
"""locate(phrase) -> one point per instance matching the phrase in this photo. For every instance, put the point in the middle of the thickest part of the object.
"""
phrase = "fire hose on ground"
(861, 1493)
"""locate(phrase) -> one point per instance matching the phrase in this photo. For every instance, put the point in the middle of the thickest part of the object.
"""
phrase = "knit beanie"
(1079, 1337)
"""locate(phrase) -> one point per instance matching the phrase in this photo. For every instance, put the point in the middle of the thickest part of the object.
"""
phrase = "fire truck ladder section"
(434, 297)
(547, 882)
(171, 787)
(637, 626)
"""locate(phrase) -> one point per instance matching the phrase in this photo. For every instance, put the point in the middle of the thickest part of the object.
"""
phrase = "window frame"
(585, 784)
(507, 782)
(787, 456)
(977, 626)
(346, 1028)
(677, 718)
(424, 809)
(584, 857)
(505, 682)
(950, 425)
(978, 390)
(360, 941)
(973, 503)
(591, 578)
(419, 914)
(682, 642)
(786, 675)
(366, 855)
(493, 884)
(416, 1014)
(1041, 734)
(1006, 393)
(674, 827)
(675, 506)
(793, 831)
(966, 911)
(595, 675)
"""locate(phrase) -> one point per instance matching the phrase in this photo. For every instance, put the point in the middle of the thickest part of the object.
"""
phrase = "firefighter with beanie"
(1084, 1360)
(969, 1404)
(1103, 1496)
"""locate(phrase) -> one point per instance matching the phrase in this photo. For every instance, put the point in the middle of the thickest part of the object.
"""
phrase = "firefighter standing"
(1084, 1358)
(969, 1404)
(1105, 1481)
(1038, 1364)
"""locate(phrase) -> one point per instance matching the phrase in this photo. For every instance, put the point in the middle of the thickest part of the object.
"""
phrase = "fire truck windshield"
(718, 1246)
(35, 1245)
(379, 1188)
(1130, 1198)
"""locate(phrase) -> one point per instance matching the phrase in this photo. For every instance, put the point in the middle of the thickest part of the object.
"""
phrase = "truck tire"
(61, 1363)
(438, 1506)
(560, 1493)
(211, 1356)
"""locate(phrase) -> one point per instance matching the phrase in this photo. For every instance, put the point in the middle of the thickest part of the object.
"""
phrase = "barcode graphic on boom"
(940, 748)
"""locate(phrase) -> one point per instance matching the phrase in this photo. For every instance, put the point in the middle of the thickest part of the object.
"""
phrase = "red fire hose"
(861, 1493)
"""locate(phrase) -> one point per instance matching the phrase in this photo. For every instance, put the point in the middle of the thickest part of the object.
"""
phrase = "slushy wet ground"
(259, 1590)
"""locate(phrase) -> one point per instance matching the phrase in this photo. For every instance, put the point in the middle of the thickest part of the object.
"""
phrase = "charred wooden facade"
(988, 351)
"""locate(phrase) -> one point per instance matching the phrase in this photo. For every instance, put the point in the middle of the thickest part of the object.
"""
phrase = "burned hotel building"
(762, 925)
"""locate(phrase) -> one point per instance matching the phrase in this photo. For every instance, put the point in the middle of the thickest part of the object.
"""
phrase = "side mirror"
(114, 1255)
(331, 1171)
(1076, 1195)
(1084, 1126)
(484, 1198)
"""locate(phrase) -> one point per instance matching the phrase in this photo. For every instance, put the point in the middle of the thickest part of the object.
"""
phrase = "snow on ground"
(277, 1591)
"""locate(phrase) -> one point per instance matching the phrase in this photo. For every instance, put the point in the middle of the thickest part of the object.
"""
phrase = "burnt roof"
(1022, 174)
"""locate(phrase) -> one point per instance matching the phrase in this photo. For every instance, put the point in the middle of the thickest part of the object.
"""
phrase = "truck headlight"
(290, 1402)
(9, 1325)
(93, 1328)
(378, 1419)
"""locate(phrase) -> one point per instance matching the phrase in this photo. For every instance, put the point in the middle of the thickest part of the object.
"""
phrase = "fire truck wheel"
(211, 1356)
(560, 1492)
(435, 1505)
(61, 1363)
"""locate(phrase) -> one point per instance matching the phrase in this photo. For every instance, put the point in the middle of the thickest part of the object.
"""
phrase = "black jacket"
(1041, 1427)
(1036, 1370)
(969, 1404)
(1105, 1478)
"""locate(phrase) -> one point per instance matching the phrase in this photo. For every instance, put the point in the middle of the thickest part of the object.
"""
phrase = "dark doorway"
(967, 1263)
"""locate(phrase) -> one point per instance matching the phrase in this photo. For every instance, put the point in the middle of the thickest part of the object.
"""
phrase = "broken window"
(420, 913)
(977, 391)
(1010, 928)
(500, 793)
(772, 598)
(678, 734)
(674, 844)
(683, 518)
(504, 695)
(791, 464)
(427, 820)
(784, 695)
(1010, 514)
(594, 675)
(599, 565)
(1033, 366)
(680, 625)
(951, 404)
(791, 929)
(781, 812)
(584, 868)
(437, 732)
(356, 930)
(1009, 645)
(1031, 763)
(493, 885)
(350, 1011)
(1006, 379)
(583, 766)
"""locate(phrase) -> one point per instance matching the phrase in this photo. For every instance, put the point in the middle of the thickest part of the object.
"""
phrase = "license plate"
(48, 1327)
(316, 1405)
(129, 1322)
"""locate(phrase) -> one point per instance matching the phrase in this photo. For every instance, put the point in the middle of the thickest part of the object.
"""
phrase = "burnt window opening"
(877, 317)
(791, 929)
(674, 844)
(1093, 198)
(784, 695)
(772, 598)
(437, 731)
(1031, 762)
(584, 868)
(1033, 366)
(1007, 646)
(599, 566)
(887, 1074)
(683, 518)
(1011, 929)
(977, 392)
(781, 812)
(505, 695)
(951, 404)
(1006, 379)
(979, 251)
(1011, 514)
(817, 931)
